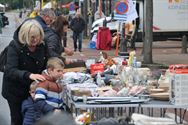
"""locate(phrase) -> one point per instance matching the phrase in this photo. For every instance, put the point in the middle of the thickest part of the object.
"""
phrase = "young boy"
(48, 94)
(28, 108)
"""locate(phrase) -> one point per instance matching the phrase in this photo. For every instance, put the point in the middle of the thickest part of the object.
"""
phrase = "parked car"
(5, 19)
(112, 25)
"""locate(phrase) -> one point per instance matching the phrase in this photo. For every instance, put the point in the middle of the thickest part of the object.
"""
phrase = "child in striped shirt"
(48, 94)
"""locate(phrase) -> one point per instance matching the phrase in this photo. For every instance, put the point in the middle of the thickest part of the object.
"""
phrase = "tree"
(148, 32)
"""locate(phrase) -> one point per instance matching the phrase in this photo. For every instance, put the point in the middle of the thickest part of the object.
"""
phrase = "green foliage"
(65, 1)
(13, 4)
(17, 4)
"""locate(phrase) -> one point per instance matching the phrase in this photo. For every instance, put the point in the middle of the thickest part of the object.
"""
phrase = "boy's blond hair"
(33, 85)
(55, 63)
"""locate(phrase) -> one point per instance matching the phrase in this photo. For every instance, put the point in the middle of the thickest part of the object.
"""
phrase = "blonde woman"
(26, 59)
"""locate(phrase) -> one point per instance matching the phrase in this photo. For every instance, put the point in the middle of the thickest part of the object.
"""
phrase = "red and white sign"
(126, 11)
(95, 68)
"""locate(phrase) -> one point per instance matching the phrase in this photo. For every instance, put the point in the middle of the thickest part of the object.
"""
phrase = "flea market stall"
(115, 87)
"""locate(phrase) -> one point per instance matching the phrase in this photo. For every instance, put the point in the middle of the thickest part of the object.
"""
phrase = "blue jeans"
(77, 37)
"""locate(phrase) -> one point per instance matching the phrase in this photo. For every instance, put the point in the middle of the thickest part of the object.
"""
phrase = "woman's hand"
(37, 77)
(68, 51)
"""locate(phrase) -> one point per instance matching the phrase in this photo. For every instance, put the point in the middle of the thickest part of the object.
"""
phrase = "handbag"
(3, 56)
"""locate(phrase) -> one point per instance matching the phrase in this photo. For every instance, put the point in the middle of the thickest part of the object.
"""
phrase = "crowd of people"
(35, 62)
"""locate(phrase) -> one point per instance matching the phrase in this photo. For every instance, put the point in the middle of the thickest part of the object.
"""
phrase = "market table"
(104, 110)
(163, 105)
(126, 109)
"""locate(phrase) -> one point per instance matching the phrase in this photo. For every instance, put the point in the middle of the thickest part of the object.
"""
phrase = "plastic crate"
(178, 89)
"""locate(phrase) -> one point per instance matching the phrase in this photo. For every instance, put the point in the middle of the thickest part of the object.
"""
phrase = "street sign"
(72, 7)
(125, 14)
(121, 7)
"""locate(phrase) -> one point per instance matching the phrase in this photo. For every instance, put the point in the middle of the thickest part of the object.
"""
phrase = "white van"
(170, 19)
(112, 24)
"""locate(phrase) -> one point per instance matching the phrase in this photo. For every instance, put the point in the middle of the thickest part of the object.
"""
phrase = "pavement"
(163, 52)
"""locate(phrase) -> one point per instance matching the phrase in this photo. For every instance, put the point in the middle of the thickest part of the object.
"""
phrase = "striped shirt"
(50, 92)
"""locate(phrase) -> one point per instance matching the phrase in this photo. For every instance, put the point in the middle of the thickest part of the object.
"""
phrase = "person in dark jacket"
(46, 18)
(54, 38)
(30, 115)
(26, 59)
(77, 25)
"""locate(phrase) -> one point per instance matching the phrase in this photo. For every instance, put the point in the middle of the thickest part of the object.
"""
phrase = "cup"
(138, 64)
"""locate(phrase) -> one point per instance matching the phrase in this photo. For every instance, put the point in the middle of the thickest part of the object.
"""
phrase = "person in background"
(26, 59)
(65, 33)
(46, 18)
(130, 34)
(20, 14)
(77, 25)
(58, 10)
(30, 116)
(54, 38)
(48, 94)
(65, 39)
(34, 13)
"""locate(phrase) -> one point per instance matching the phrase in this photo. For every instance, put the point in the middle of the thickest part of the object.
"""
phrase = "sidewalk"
(163, 52)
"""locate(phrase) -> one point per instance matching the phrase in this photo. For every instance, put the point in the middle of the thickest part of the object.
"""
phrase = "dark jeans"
(77, 37)
(15, 113)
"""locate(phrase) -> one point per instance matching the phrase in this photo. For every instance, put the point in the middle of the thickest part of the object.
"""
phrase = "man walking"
(77, 25)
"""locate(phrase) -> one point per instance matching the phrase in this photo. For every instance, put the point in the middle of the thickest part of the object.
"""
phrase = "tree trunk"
(184, 44)
(148, 31)
(85, 11)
